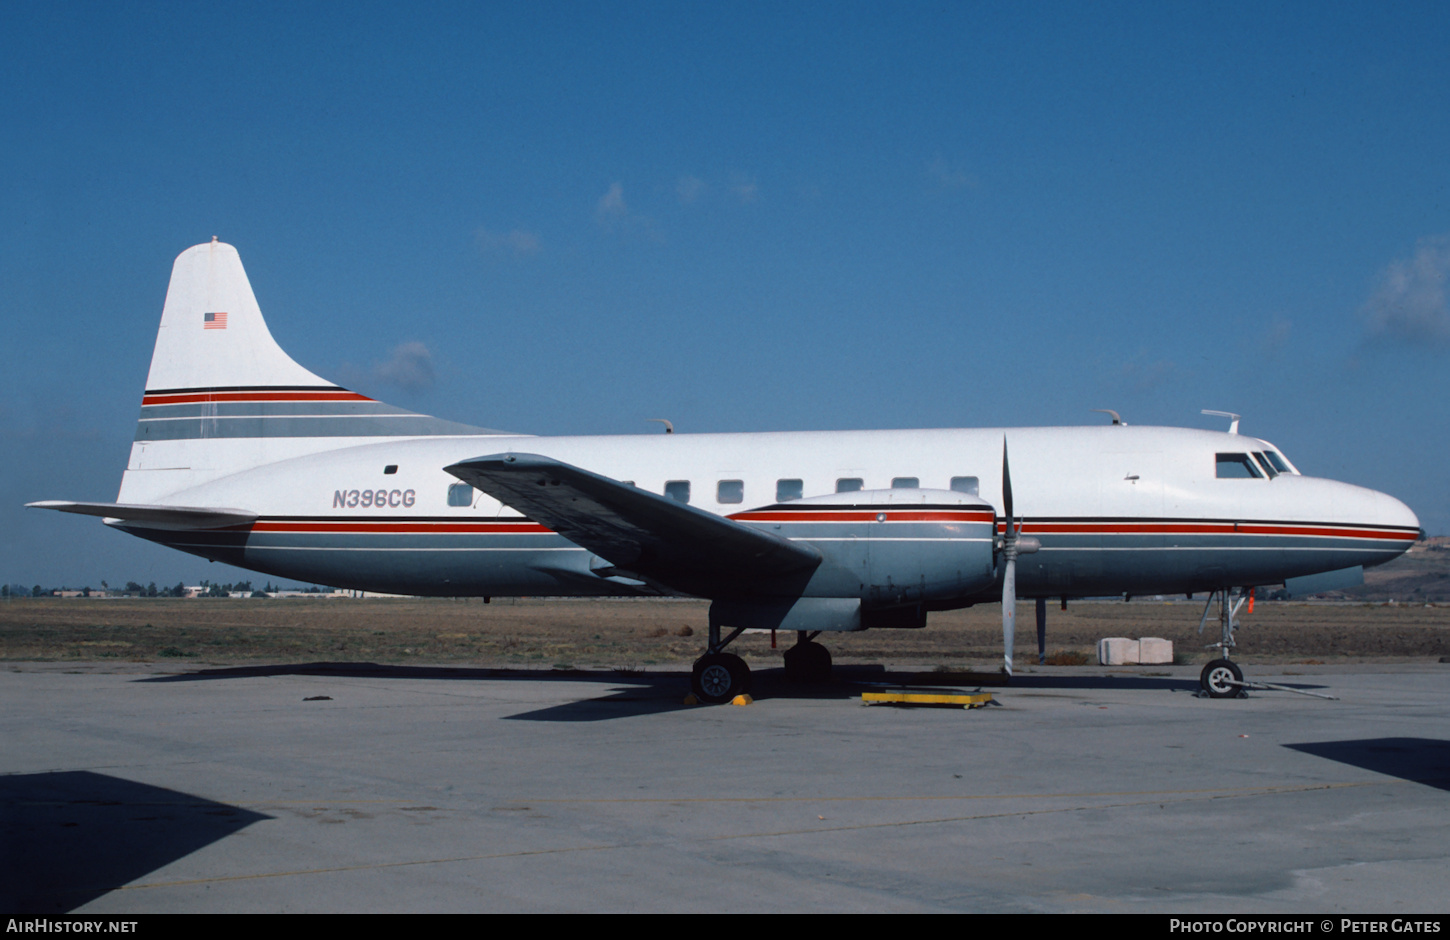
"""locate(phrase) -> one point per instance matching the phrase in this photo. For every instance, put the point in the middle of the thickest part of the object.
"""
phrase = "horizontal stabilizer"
(641, 532)
(154, 517)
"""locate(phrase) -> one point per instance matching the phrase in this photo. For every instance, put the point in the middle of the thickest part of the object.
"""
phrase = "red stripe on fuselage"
(863, 515)
(377, 527)
(529, 527)
(1207, 528)
(190, 397)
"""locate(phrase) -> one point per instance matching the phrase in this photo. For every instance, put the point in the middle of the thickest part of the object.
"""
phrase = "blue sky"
(569, 218)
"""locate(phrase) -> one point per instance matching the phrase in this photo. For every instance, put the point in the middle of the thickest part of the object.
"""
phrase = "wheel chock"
(952, 699)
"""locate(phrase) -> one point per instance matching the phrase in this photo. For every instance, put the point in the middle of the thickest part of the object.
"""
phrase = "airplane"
(243, 456)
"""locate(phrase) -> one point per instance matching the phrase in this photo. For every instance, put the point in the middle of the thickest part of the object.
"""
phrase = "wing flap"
(638, 531)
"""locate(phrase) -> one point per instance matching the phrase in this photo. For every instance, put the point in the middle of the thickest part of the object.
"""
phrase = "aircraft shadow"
(68, 837)
(636, 693)
(648, 693)
(375, 671)
(1419, 760)
(665, 690)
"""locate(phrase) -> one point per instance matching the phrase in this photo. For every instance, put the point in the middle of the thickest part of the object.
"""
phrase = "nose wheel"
(719, 677)
(1221, 679)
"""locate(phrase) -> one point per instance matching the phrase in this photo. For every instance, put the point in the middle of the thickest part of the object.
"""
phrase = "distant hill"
(1421, 574)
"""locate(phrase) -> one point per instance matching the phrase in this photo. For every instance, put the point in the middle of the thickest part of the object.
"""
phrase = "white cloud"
(1276, 336)
(1141, 375)
(1410, 304)
(410, 368)
(611, 205)
(947, 176)
(744, 189)
(521, 242)
(688, 189)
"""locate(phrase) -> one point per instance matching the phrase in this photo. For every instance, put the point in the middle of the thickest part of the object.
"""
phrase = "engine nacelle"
(890, 547)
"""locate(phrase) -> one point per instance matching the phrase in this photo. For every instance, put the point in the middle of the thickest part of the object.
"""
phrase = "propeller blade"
(1009, 613)
(1006, 486)
(1009, 567)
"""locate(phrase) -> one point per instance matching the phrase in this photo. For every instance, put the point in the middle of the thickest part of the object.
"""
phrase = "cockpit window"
(1264, 462)
(1278, 462)
(1237, 467)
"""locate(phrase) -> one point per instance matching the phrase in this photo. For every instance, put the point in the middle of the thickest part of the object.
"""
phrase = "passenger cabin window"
(1237, 467)
(460, 494)
(905, 483)
(787, 490)
(964, 485)
(678, 490)
(850, 485)
(730, 491)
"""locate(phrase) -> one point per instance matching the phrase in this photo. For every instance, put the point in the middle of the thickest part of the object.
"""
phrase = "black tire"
(719, 677)
(808, 662)
(1218, 678)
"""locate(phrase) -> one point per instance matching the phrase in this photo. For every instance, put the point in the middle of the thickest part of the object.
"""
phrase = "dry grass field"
(629, 634)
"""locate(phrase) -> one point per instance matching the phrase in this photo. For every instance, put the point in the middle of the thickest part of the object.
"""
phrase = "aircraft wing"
(158, 517)
(641, 532)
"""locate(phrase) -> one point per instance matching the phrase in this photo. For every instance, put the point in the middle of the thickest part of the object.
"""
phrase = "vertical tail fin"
(223, 397)
(212, 333)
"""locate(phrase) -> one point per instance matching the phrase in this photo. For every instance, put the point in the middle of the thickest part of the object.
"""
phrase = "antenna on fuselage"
(669, 428)
(1233, 425)
(1109, 411)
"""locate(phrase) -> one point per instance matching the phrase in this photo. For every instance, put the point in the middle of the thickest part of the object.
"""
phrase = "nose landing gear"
(1222, 678)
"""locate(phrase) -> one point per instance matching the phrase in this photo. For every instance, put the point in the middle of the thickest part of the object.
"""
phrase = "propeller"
(1013, 544)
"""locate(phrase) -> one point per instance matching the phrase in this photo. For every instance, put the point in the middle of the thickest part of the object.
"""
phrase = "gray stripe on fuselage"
(369, 425)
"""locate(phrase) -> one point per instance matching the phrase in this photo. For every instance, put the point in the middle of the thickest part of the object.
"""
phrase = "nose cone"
(1395, 525)
(1360, 526)
(1394, 513)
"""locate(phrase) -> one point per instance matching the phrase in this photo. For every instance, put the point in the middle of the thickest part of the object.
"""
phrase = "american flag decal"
(214, 321)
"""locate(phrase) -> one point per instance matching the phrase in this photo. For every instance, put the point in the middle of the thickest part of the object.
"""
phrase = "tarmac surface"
(350, 787)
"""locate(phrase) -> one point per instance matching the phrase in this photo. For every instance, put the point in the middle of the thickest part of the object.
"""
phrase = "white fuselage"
(243, 455)
(1117, 509)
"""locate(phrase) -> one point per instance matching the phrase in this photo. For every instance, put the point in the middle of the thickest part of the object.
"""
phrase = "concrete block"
(1154, 650)
(1117, 651)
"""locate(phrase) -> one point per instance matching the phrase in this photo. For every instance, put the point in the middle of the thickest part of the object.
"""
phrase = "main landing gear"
(719, 676)
(1222, 678)
(807, 662)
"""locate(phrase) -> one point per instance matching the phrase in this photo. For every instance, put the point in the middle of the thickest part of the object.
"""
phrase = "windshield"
(1277, 460)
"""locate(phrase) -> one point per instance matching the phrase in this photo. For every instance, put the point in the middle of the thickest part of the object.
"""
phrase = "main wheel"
(808, 662)
(719, 677)
(1219, 677)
